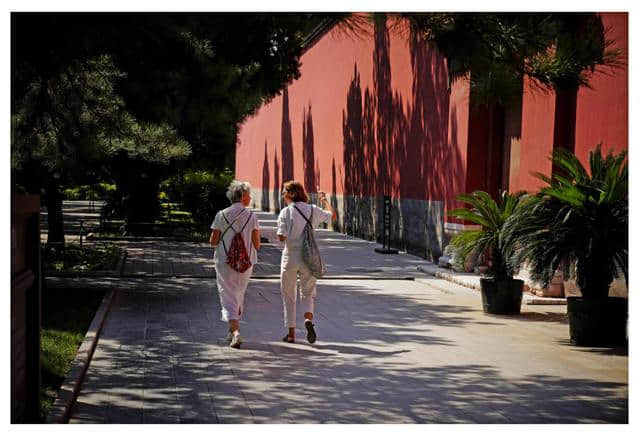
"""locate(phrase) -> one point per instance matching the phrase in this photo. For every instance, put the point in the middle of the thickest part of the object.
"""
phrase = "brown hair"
(296, 191)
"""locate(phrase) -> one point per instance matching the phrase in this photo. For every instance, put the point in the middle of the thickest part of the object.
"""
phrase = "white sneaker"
(236, 341)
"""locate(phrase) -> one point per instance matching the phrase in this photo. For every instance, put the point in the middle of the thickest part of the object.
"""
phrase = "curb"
(526, 299)
(438, 273)
(537, 300)
(68, 393)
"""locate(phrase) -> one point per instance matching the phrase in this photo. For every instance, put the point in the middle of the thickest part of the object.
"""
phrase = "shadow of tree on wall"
(358, 158)
(401, 149)
(276, 183)
(403, 146)
(311, 178)
(286, 140)
(336, 224)
(265, 181)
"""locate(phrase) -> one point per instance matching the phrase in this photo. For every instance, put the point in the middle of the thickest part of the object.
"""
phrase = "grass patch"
(66, 316)
(83, 259)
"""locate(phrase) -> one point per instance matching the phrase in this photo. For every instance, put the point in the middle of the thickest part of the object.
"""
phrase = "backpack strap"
(305, 217)
(250, 238)
(232, 228)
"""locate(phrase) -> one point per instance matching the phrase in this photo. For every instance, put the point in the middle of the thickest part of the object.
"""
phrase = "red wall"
(602, 110)
(373, 111)
(536, 145)
(374, 115)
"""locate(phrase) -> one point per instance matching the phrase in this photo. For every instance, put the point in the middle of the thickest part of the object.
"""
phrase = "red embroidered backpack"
(237, 256)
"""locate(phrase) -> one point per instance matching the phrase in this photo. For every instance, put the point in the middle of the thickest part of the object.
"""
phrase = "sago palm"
(491, 215)
(580, 218)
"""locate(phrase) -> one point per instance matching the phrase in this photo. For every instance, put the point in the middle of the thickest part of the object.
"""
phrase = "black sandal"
(311, 333)
(288, 339)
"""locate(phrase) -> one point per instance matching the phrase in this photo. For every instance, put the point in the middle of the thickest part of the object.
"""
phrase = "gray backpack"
(310, 252)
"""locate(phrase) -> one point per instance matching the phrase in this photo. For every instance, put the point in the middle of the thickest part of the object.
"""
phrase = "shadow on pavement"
(162, 358)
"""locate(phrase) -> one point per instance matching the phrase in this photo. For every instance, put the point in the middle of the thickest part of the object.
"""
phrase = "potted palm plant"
(580, 219)
(501, 293)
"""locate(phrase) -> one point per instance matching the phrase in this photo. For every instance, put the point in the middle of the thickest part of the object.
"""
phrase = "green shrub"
(71, 194)
(579, 219)
(200, 192)
(99, 191)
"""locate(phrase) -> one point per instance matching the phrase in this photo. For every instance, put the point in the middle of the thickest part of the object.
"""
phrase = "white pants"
(292, 267)
(231, 288)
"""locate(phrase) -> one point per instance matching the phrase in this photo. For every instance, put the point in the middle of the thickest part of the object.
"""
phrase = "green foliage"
(66, 316)
(99, 191)
(74, 120)
(199, 74)
(149, 89)
(499, 49)
(491, 215)
(83, 259)
(580, 219)
(201, 193)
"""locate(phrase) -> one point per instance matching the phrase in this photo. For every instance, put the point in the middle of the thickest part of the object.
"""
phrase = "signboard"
(386, 228)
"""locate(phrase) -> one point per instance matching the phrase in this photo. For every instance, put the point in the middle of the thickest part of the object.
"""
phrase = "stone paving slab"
(388, 352)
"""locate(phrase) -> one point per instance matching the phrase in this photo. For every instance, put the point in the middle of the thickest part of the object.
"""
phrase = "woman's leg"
(225, 293)
(231, 289)
(307, 300)
(241, 281)
(307, 292)
(234, 326)
(288, 285)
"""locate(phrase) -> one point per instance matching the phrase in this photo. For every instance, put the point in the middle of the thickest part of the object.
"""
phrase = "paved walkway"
(345, 257)
(388, 351)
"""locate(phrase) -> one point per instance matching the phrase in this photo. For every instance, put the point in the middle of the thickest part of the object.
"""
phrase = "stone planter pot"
(501, 297)
(597, 322)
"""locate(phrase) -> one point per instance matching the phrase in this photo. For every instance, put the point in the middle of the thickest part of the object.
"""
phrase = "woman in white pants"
(291, 223)
(231, 283)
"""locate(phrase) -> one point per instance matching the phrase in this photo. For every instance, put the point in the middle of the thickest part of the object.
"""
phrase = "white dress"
(232, 284)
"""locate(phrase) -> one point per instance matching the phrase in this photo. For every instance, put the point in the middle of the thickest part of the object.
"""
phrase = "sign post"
(386, 229)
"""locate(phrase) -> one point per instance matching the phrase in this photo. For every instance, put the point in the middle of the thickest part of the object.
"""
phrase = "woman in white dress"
(291, 223)
(236, 219)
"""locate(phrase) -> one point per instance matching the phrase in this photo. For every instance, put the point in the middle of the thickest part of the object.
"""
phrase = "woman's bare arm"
(255, 238)
(324, 204)
(214, 239)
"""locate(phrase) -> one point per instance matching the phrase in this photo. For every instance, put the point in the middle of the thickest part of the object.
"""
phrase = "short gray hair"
(236, 190)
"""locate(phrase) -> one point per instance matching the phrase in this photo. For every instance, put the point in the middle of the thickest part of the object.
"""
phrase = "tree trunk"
(54, 212)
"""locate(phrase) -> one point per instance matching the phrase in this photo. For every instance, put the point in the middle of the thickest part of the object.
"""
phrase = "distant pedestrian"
(236, 239)
(291, 226)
